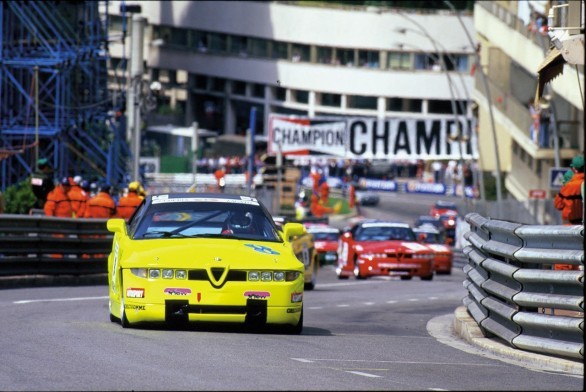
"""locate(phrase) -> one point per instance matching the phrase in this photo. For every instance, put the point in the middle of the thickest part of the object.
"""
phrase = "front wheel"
(298, 328)
(357, 273)
(428, 277)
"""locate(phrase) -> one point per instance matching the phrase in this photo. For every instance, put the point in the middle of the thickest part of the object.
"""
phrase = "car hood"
(326, 245)
(390, 246)
(440, 248)
(205, 252)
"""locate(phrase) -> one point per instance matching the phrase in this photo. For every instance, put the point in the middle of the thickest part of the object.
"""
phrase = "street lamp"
(487, 93)
(451, 86)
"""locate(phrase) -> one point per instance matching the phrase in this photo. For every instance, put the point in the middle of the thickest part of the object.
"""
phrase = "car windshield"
(325, 236)
(206, 219)
(430, 238)
(384, 233)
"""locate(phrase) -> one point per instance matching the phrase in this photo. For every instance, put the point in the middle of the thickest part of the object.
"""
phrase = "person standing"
(101, 205)
(58, 203)
(129, 202)
(569, 199)
(78, 197)
(42, 182)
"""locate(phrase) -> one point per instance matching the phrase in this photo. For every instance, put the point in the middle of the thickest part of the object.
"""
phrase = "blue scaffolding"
(54, 99)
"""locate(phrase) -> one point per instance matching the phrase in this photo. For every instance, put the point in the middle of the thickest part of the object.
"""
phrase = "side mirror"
(116, 225)
(292, 230)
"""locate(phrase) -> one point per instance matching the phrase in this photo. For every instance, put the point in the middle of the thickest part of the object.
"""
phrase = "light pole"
(135, 94)
(450, 84)
(487, 94)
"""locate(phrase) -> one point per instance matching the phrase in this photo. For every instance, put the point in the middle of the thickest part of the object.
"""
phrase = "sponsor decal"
(257, 294)
(177, 291)
(379, 185)
(293, 310)
(134, 293)
(134, 307)
(262, 249)
(198, 297)
(296, 297)
(423, 187)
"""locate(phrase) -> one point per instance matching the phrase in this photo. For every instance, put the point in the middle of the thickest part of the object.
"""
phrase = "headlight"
(180, 274)
(154, 273)
(291, 275)
(266, 276)
(279, 276)
(140, 272)
(167, 274)
(253, 276)
(276, 276)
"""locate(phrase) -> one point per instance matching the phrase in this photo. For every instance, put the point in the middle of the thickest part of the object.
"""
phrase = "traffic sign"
(537, 194)
(556, 177)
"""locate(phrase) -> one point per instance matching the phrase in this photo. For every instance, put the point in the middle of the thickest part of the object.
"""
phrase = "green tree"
(19, 198)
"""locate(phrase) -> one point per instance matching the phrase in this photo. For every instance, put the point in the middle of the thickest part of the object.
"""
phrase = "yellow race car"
(189, 257)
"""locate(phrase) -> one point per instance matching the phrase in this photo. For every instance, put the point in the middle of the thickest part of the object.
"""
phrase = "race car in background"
(187, 257)
(376, 247)
(442, 207)
(433, 238)
(326, 242)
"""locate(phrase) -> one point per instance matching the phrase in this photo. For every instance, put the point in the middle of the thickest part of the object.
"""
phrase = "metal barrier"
(509, 278)
(41, 245)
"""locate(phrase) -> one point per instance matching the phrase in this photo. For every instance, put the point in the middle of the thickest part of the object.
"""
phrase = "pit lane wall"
(515, 293)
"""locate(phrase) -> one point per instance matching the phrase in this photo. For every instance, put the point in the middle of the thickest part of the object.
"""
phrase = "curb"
(466, 327)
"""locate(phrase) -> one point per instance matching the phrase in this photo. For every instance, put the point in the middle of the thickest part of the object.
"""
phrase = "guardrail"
(41, 245)
(510, 277)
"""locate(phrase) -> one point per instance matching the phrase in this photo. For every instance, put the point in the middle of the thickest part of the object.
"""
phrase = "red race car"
(442, 207)
(326, 242)
(375, 247)
(432, 237)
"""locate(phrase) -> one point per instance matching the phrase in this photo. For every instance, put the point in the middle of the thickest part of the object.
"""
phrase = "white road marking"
(28, 301)
(413, 299)
(437, 389)
(341, 284)
(433, 298)
(363, 374)
(391, 302)
(316, 307)
(369, 303)
(302, 360)
(342, 305)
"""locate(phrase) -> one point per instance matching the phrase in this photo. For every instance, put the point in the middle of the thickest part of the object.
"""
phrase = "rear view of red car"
(372, 248)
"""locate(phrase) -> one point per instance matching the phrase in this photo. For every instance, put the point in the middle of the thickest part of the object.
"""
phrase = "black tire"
(311, 284)
(406, 277)
(428, 277)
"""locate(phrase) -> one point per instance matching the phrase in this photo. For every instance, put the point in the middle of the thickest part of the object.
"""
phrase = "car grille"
(202, 274)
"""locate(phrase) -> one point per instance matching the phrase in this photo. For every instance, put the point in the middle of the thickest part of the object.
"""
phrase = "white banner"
(371, 138)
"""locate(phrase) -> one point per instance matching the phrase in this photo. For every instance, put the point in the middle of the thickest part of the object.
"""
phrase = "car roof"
(426, 229)
(445, 204)
(379, 222)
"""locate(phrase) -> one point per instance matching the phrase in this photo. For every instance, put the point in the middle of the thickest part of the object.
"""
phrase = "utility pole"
(134, 96)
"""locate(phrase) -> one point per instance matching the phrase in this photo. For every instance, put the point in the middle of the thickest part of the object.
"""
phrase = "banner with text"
(371, 138)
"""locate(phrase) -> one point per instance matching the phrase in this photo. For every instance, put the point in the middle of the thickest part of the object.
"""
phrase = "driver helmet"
(240, 221)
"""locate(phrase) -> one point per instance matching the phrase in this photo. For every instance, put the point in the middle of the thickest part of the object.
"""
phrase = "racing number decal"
(262, 249)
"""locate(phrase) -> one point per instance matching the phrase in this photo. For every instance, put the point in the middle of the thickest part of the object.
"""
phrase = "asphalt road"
(377, 334)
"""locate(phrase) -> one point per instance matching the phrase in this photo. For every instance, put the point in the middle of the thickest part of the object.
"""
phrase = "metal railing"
(510, 277)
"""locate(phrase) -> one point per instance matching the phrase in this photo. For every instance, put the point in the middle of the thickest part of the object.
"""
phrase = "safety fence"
(514, 292)
(42, 245)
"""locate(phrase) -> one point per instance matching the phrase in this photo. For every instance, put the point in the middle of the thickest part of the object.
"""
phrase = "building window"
(279, 50)
(258, 90)
(538, 169)
(426, 61)
(445, 107)
(368, 58)
(345, 57)
(218, 84)
(178, 37)
(218, 42)
(362, 102)
(238, 87)
(201, 82)
(300, 53)
(327, 99)
(404, 105)
(280, 93)
(199, 40)
(258, 47)
(161, 32)
(399, 60)
(325, 55)
(239, 45)
(301, 96)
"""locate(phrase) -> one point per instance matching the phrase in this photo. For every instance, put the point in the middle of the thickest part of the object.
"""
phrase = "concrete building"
(513, 47)
(215, 60)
